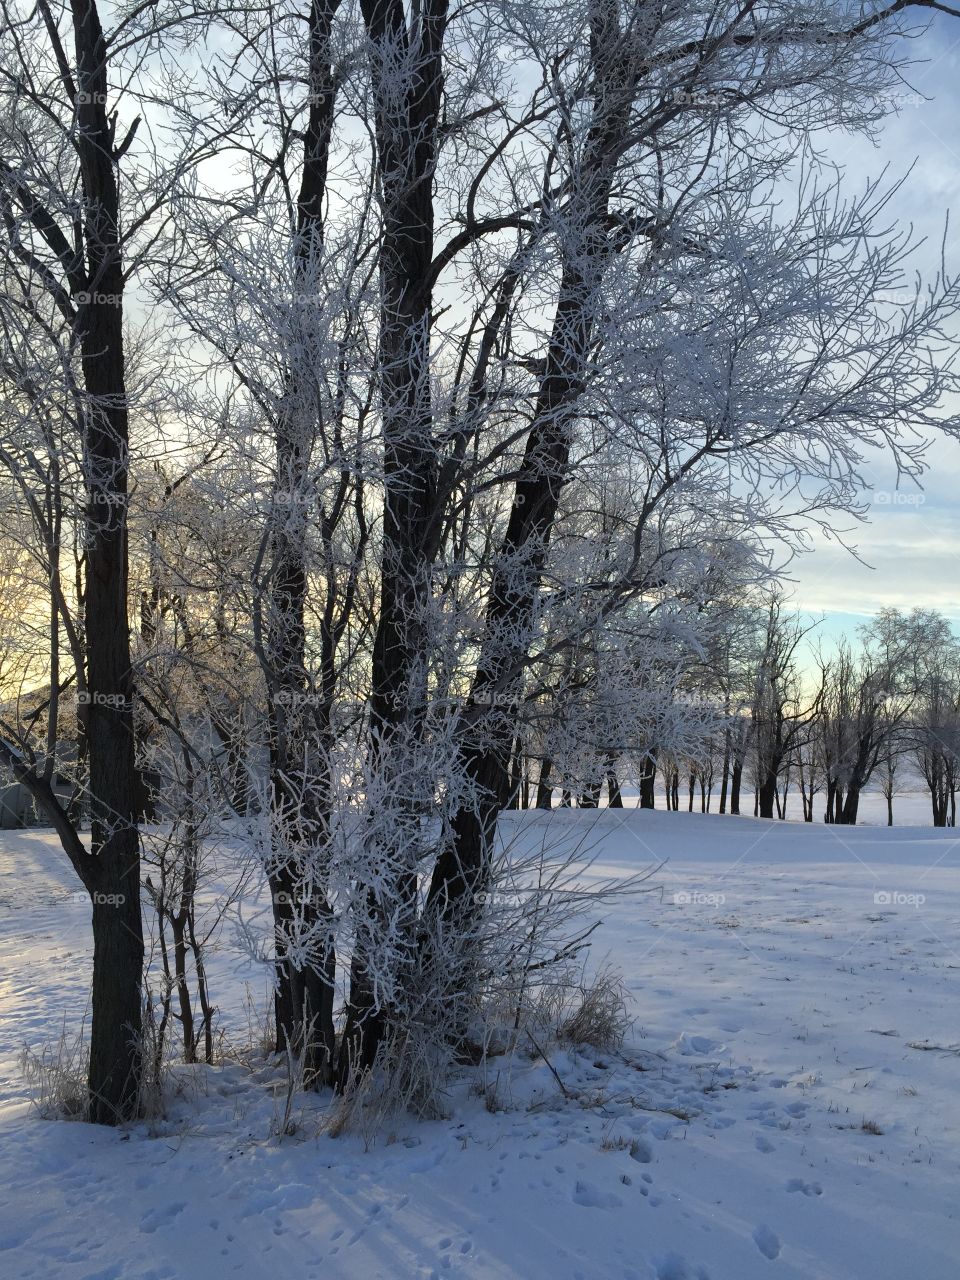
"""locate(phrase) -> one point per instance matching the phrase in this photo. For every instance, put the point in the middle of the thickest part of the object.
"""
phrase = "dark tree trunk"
(766, 795)
(462, 866)
(851, 804)
(725, 772)
(648, 779)
(614, 796)
(298, 718)
(114, 874)
(735, 781)
(544, 789)
(590, 798)
(407, 93)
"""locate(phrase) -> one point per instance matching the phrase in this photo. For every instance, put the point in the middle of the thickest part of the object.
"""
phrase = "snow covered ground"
(792, 985)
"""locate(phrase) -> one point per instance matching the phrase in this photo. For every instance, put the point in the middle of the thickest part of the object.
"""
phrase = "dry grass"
(57, 1075)
(597, 1014)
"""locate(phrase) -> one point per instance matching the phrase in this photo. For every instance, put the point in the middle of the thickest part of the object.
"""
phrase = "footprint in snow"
(592, 1197)
(767, 1241)
(672, 1266)
(808, 1188)
(155, 1218)
(696, 1046)
(763, 1144)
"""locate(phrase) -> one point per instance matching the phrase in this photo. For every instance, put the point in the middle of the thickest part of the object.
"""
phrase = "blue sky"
(912, 541)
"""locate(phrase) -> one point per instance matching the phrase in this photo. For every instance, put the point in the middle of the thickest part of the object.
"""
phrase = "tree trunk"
(407, 91)
(766, 795)
(725, 772)
(735, 787)
(590, 798)
(298, 719)
(647, 784)
(851, 806)
(462, 866)
(544, 789)
(614, 796)
(114, 877)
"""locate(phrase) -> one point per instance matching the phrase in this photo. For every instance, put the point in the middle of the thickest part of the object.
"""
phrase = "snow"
(780, 1005)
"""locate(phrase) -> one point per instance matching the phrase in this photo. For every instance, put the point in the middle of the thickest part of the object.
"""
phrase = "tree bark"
(407, 106)
(114, 876)
(735, 781)
(648, 780)
(767, 795)
(544, 789)
(298, 718)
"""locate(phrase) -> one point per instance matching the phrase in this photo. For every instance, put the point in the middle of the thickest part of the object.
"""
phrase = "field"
(785, 1104)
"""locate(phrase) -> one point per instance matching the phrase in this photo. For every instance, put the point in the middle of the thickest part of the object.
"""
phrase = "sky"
(910, 546)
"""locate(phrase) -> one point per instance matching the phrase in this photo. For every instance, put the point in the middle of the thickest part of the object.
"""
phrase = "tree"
(65, 249)
(80, 190)
(781, 721)
(934, 728)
